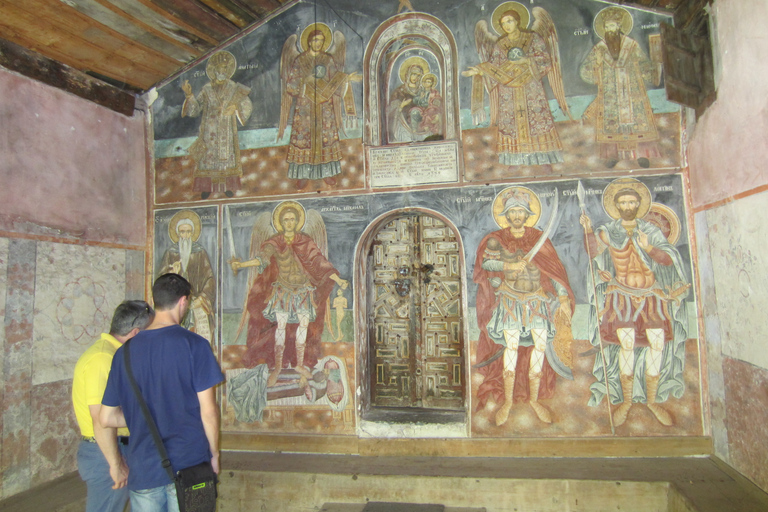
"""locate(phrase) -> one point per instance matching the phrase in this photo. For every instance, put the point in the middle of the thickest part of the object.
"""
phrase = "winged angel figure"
(289, 283)
(312, 74)
(514, 61)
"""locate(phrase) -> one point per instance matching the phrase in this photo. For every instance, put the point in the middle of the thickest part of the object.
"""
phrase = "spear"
(580, 194)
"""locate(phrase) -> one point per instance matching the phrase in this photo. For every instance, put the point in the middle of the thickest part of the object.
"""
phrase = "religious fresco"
(360, 97)
(186, 244)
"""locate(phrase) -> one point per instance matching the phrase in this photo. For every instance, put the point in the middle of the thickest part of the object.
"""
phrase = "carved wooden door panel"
(416, 335)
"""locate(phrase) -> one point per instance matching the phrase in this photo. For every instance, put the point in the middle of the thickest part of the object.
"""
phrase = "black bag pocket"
(196, 488)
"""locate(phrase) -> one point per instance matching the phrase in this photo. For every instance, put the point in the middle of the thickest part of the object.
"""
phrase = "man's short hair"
(627, 192)
(130, 315)
(168, 289)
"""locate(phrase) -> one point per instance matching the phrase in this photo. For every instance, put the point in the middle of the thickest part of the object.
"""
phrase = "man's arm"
(106, 438)
(209, 413)
(112, 416)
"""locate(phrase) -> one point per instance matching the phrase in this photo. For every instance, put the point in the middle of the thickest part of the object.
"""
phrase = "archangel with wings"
(289, 284)
(513, 64)
(312, 74)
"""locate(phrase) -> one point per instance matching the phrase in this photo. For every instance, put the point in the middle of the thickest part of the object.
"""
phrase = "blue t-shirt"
(171, 365)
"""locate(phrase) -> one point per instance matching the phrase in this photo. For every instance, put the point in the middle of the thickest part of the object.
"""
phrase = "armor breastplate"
(526, 281)
(290, 272)
(631, 271)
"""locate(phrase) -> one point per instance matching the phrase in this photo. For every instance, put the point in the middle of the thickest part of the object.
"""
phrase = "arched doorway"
(414, 318)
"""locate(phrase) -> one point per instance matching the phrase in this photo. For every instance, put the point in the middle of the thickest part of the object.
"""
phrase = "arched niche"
(400, 38)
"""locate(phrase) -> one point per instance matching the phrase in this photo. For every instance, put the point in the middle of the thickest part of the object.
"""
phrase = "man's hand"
(215, 462)
(642, 241)
(119, 474)
(586, 222)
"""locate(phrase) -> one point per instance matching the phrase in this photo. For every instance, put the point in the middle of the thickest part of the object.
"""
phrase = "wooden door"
(416, 335)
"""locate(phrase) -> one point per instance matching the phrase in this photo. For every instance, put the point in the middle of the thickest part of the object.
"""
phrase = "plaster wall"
(726, 156)
(69, 167)
(73, 225)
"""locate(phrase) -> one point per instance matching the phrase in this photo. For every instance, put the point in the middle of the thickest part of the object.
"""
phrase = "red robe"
(260, 343)
(551, 268)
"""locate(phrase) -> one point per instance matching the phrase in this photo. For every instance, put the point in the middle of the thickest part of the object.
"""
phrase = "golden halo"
(525, 16)
(413, 61)
(626, 21)
(501, 199)
(322, 27)
(432, 76)
(663, 217)
(184, 214)
(615, 186)
(222, 57)
(278, 211)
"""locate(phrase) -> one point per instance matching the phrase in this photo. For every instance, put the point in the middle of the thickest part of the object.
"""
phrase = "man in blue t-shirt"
(176, 373)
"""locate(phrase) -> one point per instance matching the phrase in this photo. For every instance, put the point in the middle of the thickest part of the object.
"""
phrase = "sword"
(230, 237)
(545, 234)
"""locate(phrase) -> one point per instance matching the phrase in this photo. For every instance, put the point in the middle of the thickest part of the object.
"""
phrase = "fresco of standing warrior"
(313, 76)
(513, 63)
(638, 288)
(624, 125)
(216, 150)
(190, 260)
(289, 286)
(415, 108)
(524, 308)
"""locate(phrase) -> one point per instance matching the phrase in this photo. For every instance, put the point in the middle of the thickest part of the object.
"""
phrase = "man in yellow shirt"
(99, 457)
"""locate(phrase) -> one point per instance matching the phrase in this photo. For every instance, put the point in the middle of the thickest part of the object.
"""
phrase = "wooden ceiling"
(124, 47)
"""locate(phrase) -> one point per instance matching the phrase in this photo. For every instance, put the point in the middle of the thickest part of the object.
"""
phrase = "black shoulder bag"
(195, 486)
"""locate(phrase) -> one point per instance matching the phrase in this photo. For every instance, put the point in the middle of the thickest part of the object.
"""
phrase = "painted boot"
(509, 386)
(652, 385)
(621, 412)
(275, 373)
(541, 411)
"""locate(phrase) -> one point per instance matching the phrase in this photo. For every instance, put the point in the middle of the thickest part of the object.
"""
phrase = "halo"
(222, 56)
(184, 214)
(665, 219)
(525, 16)
(599, 23)
(278, 211)
(322, 27)
(615, 186)
(432, 76)
(413, 61)
(498, 207)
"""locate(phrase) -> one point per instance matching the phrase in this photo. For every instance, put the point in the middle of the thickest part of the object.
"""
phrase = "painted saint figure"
(624, 125)
(288, 290)
(340, 305)
(524, 309)
(512, 68)
(315, 79)
(188, 258)
(414, 110)
(639, 291)
(222, 103)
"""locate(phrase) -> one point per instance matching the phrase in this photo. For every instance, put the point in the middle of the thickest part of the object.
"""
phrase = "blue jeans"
(94, 470)
(157, 499)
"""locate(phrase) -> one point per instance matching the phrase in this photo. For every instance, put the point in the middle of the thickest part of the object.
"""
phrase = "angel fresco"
(524, 308)
(512, 67)
(312, 75)
(624, 125)
(289, 286)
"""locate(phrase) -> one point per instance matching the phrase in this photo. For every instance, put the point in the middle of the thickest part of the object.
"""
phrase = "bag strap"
(145, 411)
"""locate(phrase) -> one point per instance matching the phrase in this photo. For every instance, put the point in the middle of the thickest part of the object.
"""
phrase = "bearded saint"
(190, 260)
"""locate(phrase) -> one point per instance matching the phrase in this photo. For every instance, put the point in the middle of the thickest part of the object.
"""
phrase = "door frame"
(360, 311)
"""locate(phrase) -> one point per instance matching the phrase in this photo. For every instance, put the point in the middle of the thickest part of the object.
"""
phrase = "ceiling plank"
(200, 17)
(261, 7)
(159, 25)
(95, 50)
(117, 22)
(231, 11)
(43, 69)
(184, 30)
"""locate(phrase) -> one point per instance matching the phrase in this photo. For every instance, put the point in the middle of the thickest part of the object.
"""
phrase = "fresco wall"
(507, 131)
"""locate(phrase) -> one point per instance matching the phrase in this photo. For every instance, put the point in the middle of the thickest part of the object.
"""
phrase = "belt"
(120, 439)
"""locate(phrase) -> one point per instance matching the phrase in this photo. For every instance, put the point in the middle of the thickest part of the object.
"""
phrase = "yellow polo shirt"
(91, 372)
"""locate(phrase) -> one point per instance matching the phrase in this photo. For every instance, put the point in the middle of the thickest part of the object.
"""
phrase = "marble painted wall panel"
(253, 133)
(53, 432)
(3, 290)
(77, 289)
(737, 233)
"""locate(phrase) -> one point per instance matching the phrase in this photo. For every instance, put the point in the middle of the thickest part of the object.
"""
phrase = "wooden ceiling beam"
(40, 68)
(231, 11)
(200, 17)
